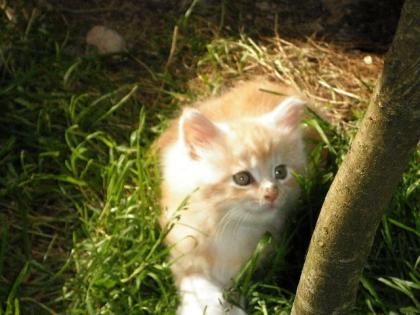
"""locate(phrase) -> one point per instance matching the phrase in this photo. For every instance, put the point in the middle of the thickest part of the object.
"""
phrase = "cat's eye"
(243, 178)
(280, 172)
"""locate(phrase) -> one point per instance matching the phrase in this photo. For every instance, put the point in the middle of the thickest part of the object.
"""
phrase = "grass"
(79, 184)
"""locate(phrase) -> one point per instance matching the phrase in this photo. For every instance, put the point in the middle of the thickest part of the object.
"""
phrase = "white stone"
(106, 40)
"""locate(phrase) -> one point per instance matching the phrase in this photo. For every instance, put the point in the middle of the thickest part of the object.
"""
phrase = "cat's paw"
(194, 308)
(200, 296)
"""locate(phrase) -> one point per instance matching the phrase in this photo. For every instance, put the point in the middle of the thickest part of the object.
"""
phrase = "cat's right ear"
(287, 114)
(198, 133)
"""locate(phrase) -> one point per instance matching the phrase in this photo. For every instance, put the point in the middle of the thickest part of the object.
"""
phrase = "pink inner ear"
(198, 132)
(289, 112)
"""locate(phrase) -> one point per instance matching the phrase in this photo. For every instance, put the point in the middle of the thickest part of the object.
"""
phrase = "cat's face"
(244, 166)
(259, 166)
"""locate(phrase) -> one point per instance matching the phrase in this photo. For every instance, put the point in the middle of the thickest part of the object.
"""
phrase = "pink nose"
(271, 193)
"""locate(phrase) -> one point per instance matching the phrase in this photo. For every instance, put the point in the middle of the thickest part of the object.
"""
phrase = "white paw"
(188, 308)
(200, 296)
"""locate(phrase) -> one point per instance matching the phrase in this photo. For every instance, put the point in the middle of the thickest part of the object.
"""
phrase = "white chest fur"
(232, 247)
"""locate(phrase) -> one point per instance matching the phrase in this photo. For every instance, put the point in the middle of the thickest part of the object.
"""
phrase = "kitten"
(230, 161)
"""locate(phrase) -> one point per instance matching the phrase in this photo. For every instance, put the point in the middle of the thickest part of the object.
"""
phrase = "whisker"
(228, 220)
(224, 222)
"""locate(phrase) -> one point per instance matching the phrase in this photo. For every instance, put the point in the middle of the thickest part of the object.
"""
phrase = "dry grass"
(75, 144)
(339, 84)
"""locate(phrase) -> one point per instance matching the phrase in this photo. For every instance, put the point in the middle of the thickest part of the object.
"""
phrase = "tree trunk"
(366, 180)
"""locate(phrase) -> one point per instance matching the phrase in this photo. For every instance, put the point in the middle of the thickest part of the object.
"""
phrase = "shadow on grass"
(78, 185)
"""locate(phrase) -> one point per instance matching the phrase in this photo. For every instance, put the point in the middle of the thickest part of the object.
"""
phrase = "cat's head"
(245, 165)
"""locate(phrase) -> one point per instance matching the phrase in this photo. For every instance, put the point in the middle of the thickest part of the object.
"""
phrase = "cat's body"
(230, 162)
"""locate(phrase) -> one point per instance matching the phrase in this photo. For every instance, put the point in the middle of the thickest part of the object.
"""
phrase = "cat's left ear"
(287, 114)
(198, 133)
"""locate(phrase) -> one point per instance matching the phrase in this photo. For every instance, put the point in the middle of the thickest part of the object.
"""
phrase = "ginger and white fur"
(221, 223)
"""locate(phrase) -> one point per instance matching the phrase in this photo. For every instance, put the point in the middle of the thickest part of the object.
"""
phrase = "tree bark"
(366, 180)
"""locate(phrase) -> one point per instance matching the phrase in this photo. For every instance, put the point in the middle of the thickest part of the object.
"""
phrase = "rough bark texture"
(366, 180)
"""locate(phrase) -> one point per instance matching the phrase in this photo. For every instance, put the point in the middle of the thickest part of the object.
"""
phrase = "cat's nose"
(271, 193)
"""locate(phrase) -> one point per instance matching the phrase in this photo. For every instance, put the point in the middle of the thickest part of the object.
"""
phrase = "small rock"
(106, 40)
(368, 60)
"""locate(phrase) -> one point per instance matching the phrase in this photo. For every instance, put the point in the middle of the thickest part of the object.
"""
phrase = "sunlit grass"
(79, 183)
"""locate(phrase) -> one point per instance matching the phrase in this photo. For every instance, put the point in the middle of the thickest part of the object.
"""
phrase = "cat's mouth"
(270, 206)
(264, 207)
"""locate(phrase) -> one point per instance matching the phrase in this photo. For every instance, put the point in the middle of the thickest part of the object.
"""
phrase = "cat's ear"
(287, 114)
(198, 133)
